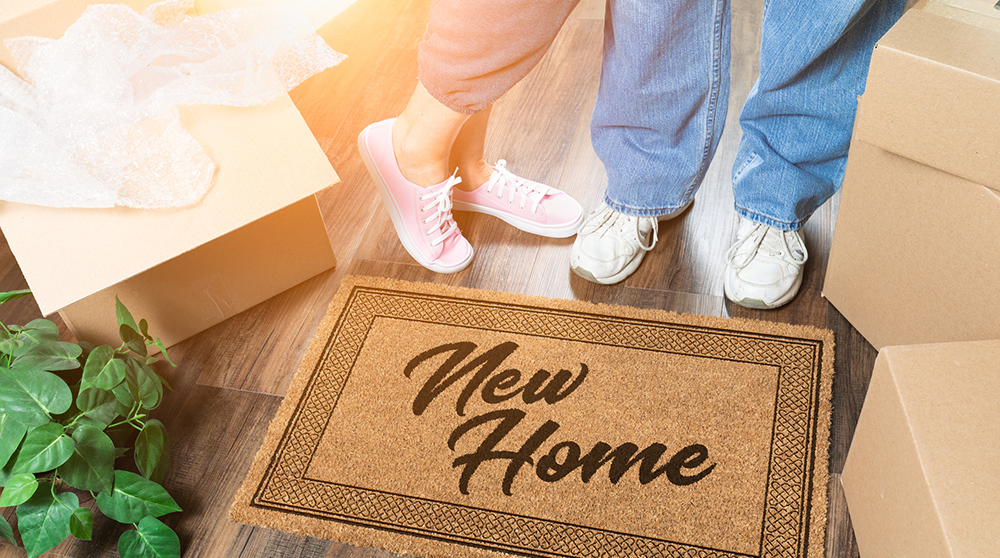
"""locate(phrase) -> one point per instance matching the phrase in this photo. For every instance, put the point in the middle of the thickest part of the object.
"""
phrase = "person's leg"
(473, 51)
(662, 100)
(797, 125)
(797, 120)
(660, 111)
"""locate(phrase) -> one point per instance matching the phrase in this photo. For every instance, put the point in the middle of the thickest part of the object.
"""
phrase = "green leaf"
(8, 470)
(50, 355)
(98, 404)
(127, 392)
(152, 451)
(91, 467)
(152, 539)
(163, 351)
(150, 387)
(81, 524)
(103, 370)
(144, 329)
(124, 316)
(44, 449)
(11, 434)
(28, 396)
(44, 521)
(134, 498)
(9, 345)
(132, 339)
(18, 490)
(41, 330)
(6, 531)
(11, 295)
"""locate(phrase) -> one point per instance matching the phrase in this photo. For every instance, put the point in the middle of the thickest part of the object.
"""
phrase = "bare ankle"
(415, 164)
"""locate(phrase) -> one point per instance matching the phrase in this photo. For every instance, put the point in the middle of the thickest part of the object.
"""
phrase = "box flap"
(932, 96)
(981, 13)
(267, 159)
(318, 11)
(949, 393)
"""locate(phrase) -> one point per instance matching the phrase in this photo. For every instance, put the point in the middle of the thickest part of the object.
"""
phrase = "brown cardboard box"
(256, 233)
(922, 474)
(916, 249)
(318, 11)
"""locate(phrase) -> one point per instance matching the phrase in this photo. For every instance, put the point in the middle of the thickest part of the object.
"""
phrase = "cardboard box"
(921, 477)
(318, 11)
(916, 249)
(256, 233)
(981, 13)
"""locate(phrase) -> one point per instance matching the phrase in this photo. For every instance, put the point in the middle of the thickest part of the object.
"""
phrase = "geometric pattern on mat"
(794, 441)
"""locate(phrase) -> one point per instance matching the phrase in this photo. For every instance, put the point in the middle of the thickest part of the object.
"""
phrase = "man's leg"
(659, 115)
(797, 126)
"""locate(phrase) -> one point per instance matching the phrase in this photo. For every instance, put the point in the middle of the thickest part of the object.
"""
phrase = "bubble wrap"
(94, 121)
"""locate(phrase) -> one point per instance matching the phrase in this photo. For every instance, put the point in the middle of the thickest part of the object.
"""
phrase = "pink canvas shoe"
(529, 206)
(422, 216)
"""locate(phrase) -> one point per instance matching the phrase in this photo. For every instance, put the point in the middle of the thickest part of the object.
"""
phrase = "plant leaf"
(102, 370)
(50, 355)
(45, 448)
(132, 339)
(124, 316)
(41, 330)
(127, 392)
(152, 539)
(134, 498)
(18, 490)
(6, 531)
(11, 434)
(81, 523)
(44, 521)
(98, 404)
(28, 396)
(11, 295)
(152, 451)
(91, 467)
(163, 351)
(150, 387)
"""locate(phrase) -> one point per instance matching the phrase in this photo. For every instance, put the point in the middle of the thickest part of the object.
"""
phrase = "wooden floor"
(231, 378)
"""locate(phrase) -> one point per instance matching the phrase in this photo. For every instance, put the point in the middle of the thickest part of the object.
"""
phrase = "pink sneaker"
(422, 216)
(529, 206)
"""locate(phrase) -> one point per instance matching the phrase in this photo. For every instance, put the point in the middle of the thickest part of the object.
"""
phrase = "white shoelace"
(622, 222)
(503, 178)
(441, 204)
(774, 242)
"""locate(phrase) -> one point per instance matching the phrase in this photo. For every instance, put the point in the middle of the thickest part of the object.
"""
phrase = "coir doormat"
(447, 422)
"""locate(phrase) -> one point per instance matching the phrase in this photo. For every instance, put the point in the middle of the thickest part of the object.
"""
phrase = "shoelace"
(773, 241)
(621, 221)
(516, 185)
(441, 203)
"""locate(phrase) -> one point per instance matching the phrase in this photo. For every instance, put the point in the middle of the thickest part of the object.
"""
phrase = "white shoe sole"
(397, 221)
(562, 231)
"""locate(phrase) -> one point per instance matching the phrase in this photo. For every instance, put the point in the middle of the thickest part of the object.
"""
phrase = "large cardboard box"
(922, 476)
(916, 249)
(257, 232)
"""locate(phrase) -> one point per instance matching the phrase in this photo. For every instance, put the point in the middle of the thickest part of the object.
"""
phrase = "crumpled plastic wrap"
(94, 122)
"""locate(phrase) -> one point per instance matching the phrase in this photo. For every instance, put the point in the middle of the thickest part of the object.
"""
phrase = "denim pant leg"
(798, 119)
(662, 100)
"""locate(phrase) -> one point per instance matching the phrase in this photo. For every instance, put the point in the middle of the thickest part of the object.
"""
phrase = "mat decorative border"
(794, 520)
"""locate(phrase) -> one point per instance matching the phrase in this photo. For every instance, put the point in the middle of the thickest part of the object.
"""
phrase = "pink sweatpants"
(473, 51)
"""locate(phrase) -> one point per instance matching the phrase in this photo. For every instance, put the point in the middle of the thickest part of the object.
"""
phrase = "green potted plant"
(69, 414)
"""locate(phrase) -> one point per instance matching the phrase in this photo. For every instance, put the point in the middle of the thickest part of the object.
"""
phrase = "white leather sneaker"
(764, 265)
(610, 245)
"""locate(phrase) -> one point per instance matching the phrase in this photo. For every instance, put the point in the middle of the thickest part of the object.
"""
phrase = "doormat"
(448, 422)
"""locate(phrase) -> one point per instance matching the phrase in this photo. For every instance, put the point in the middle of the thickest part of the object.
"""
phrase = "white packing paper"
(94, 121)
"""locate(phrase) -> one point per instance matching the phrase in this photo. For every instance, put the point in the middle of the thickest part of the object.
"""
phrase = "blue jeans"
(664, 92)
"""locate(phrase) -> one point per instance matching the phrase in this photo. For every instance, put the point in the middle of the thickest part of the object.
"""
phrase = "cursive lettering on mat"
(480, 374)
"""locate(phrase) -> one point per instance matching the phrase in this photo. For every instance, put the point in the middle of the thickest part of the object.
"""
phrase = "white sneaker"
(611, 245)
(764, 265)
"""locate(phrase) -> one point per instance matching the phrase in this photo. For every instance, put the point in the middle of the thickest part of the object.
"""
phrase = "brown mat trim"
(277, 494)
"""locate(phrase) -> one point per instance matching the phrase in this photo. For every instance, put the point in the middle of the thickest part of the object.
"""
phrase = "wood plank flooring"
(230, 379)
